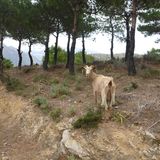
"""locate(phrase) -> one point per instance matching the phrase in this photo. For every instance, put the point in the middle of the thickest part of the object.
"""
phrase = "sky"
(97, 43)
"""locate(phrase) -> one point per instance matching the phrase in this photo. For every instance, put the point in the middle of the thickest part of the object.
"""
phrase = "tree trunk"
(68, 50)
(1, 47)
(83, 49)
(131, 65)
(112, 38)
(29, 53)
(20, 54)
(74, 37)
(46, 58)
(1, 55)
(127, 18)
(72, 56)
(56, 45)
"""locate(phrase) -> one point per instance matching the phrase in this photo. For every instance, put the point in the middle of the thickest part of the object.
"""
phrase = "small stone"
(72, 145)
(154, 157)
(5, 144)
(149, 135)
(146, 153)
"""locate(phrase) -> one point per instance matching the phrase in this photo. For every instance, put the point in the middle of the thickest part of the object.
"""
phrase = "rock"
(154, 157)
(149, 135)
(4, 157)
(65, 124)
(146, 153)
(72, 145)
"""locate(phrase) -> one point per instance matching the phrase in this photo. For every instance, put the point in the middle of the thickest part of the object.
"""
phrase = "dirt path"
(13, 144)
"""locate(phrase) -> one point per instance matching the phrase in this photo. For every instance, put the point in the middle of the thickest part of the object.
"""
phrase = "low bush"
(27, 69)
(72, 157)
(54, 81)
(72, 111)
(55, 114)
(79, 85)
(118, 63)
(61, 57)
(152, 55)
(14, 84)
(78, 58)
(131, 86)
(150, 73)
(42, 103)
(7, 64)
(41, 78)
(59, 90)
(89, 120)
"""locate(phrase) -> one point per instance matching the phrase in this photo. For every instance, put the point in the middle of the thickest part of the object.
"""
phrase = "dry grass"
(73, 94)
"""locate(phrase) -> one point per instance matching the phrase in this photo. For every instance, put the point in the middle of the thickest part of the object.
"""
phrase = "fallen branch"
(153, 125)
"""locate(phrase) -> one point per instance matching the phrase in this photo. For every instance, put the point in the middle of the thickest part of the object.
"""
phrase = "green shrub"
(54, 81)
(118, 63)
(69, 77)
(14, 84)
(41, 78)
(150, 73)
(153, 55)
(79, 87)
(55, 114)
(72, 157)
(78, 58)
(42, 103)
(27, 69)
(61, 57)
(131, 86)
(89, 120)
(59, 90)
(7, 63)
(72, 111)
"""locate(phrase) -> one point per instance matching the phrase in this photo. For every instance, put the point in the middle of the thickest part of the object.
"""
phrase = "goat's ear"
(84, 67)
(93, 67)
(83, 70)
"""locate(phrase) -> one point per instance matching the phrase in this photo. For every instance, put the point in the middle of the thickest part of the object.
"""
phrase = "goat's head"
(89, 70)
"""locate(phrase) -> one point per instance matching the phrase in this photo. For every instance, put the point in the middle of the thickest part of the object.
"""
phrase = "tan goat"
(102, 85)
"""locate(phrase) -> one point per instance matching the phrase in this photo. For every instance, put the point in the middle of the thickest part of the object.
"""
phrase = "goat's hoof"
(106, 108)
(110, 108)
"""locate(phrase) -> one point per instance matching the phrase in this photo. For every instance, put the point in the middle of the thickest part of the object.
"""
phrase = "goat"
(103, 85)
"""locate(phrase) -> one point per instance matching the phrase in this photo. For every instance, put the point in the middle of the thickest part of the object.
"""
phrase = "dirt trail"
(18, 142)
(13, 144)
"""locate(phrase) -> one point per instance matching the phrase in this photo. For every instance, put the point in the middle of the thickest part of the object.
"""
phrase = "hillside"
(11, 54)
(38, 109)
(105, 57)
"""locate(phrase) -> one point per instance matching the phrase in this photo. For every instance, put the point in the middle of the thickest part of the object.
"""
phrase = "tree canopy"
(34, 22)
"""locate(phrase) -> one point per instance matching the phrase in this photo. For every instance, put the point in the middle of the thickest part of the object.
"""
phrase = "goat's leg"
(113, 95)
(104, 96)
(95, 96)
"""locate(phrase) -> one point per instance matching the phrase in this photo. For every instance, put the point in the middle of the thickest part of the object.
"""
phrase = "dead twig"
(153, 125)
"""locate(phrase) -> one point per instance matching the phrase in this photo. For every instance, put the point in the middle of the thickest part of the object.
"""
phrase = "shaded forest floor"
(65, 96)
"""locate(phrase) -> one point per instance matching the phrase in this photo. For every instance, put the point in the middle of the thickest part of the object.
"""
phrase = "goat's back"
(101, 82)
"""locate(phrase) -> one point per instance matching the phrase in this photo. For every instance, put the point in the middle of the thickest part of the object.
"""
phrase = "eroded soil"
(29, 134)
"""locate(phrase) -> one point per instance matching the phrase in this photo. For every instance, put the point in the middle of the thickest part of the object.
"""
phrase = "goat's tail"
(109, 93)
(110, 84)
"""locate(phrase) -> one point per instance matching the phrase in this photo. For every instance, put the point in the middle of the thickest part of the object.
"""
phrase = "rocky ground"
(28, 134)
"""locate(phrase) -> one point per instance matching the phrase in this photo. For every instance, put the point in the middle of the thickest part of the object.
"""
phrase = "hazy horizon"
(97, 43)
